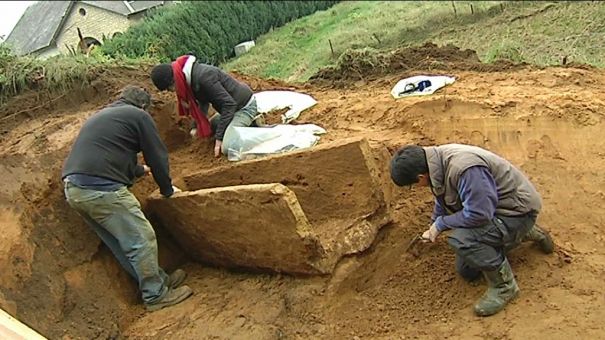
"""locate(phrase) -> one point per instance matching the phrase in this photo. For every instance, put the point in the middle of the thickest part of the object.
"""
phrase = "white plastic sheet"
(410, 86)
(267, 101)
(253, 142)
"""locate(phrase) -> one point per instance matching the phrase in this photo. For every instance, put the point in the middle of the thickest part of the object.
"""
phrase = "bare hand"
(193, 133)
(146, 169)
(431, 233)
(217, 148)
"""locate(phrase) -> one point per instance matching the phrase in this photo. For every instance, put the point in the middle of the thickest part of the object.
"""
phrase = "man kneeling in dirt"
(101, 165)
(490, 206)
(197, 85)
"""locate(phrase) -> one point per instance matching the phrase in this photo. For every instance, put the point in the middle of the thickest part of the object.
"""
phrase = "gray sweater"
(109, 141)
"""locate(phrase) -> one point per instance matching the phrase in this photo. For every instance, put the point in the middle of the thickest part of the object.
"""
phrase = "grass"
(59, 73)
(534, 32)
(539, 33)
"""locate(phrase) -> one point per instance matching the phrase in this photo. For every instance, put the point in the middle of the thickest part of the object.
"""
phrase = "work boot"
(540, 237)
(501, 289)
(176, 278)
(172, 297)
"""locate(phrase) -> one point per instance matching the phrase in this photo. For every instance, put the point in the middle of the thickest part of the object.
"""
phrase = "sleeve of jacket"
(438, 210)
(155, 154)
(479, 195)
(220, 98)
(139, 171)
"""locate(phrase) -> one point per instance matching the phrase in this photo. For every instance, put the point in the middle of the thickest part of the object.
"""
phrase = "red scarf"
(185, 94)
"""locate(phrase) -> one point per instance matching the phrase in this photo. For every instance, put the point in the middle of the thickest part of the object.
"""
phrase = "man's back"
(109, 141)
(516, 194)
(204, 76)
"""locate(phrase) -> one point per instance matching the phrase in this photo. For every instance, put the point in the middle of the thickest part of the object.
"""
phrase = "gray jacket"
(516, 194)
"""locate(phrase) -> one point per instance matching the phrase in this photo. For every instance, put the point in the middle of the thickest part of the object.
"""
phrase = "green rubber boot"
(542, 238)
(501, 289)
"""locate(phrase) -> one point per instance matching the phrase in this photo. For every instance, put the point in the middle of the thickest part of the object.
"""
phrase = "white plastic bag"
(267, 101)
(410, 86)
(253, 142)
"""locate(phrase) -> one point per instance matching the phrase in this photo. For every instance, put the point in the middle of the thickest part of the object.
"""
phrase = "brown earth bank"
(58, 277)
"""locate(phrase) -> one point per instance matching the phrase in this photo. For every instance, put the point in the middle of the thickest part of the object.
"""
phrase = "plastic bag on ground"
(267, 101)
(420, 85)
(254, 142)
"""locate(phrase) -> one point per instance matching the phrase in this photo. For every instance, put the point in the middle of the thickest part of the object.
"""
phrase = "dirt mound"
(60, 279)
(367, 63)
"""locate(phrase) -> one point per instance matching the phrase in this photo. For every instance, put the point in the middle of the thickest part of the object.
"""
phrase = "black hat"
(407, 164)
(162, 76)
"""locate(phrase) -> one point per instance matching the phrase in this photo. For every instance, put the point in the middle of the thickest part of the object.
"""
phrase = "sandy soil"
(60, 279)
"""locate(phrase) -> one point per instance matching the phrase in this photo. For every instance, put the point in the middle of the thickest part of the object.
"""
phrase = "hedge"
(208, 29)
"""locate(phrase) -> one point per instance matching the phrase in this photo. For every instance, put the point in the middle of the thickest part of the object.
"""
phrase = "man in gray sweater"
(101, 166)
(489, 205)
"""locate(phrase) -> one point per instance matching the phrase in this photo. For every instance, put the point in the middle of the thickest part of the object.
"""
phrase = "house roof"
(42, 21)
(37, 26)
(124, 7)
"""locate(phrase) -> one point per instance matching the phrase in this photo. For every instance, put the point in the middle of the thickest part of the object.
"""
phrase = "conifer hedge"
(208, 29)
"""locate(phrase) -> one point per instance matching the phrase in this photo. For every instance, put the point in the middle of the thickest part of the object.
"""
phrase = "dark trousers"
(484, 248)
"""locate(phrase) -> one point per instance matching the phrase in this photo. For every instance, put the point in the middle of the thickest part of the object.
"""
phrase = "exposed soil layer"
(361, 65)
(59, 278)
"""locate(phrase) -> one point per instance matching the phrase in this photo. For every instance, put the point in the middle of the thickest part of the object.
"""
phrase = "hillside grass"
(56, 74)
(537, 32)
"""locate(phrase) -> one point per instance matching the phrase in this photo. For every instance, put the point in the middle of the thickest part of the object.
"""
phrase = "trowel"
(417, 245)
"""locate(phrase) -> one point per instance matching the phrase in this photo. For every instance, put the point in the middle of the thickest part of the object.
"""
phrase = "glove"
(431, 233)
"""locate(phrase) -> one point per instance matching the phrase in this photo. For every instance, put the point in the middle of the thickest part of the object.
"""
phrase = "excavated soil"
(59, 278)
(366, 64)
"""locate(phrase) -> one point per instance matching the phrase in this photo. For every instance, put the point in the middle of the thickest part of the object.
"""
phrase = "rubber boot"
(172, 297)
(501, 289)
(176, 278)
(542, 238)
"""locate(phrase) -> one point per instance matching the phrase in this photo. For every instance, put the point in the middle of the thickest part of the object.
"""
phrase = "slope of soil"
(58, 278)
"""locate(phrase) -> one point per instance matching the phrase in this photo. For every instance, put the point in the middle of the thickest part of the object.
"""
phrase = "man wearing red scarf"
(197, 86)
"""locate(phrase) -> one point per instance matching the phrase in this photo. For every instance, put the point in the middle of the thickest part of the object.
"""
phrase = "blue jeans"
(117, 218)
(484, 248)
(244, 117)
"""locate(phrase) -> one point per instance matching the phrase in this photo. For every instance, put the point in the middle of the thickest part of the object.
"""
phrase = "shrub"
(207, 29)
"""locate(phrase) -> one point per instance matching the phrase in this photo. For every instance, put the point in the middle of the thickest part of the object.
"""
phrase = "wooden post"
(11, 328)
(454, 6)
(331, 48)
(376, 37)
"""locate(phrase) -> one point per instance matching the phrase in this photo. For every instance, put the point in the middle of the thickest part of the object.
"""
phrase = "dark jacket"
(211, 85)
(109, 141)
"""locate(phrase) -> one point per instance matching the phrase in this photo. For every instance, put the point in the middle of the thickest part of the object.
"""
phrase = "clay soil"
(59, 278)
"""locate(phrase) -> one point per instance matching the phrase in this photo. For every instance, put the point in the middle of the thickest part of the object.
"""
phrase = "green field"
(540, 33)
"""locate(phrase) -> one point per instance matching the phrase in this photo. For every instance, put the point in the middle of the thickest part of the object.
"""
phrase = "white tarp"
(267, 101)
(252, 142)
(420, 85)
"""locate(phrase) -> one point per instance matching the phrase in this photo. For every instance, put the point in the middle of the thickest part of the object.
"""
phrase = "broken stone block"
(339, 193)
(255, 226)
(346, 179)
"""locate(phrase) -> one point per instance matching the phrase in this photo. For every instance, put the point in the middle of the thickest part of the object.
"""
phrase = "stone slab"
(331, 202)
(258, 226)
